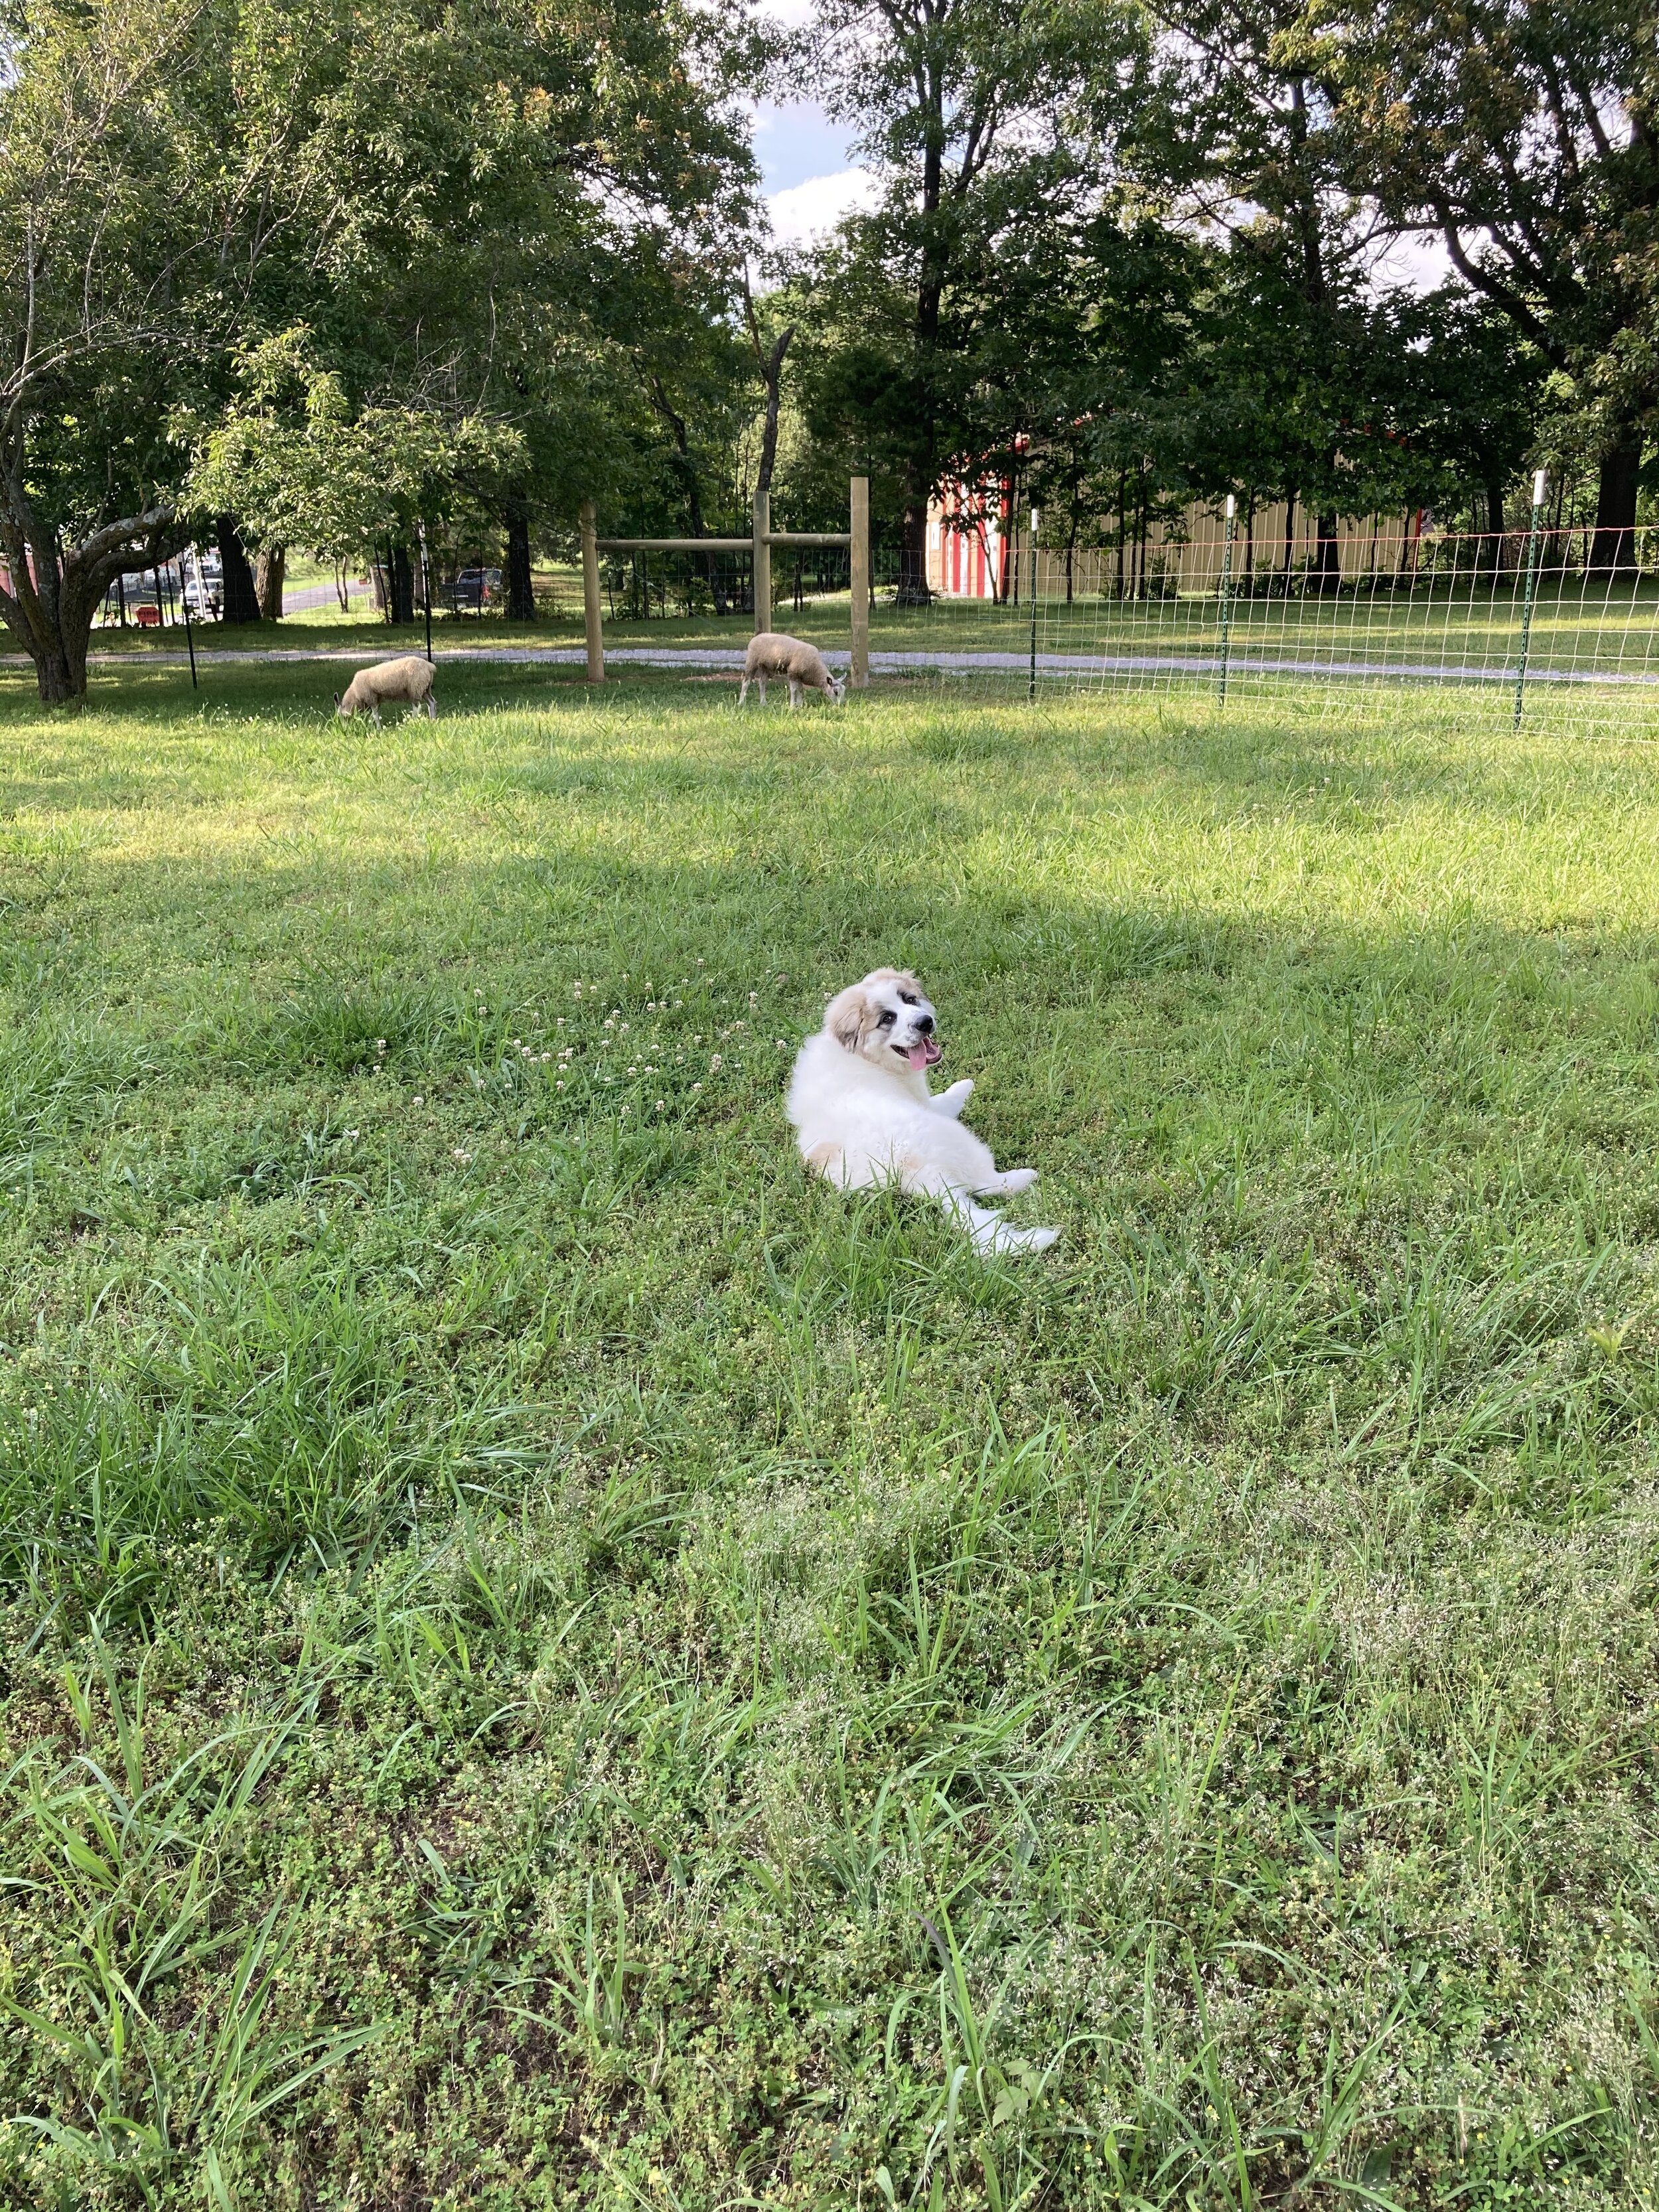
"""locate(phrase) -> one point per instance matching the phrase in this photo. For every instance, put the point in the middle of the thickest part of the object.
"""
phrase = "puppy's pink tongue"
(925, 1054)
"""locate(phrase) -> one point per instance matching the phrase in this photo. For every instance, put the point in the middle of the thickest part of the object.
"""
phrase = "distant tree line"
(299, 278)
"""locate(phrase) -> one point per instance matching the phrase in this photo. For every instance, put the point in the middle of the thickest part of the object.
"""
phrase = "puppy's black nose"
(925, 1023)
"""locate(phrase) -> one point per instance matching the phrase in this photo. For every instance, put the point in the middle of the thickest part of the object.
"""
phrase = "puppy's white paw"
(1015, 1179)
(953, 1099)
(1002, 1238)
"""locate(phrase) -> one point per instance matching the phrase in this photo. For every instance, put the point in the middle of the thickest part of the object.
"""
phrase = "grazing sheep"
(370, 688)
(801, 665)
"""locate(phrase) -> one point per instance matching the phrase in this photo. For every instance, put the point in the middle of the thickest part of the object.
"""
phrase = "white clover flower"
(697, 1086)
(417, 1100)
(465, 1158)
(714, 1062)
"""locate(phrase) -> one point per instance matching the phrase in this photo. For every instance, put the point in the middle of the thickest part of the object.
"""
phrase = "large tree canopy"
(1524, 136)
(969, 110)
(445, 198)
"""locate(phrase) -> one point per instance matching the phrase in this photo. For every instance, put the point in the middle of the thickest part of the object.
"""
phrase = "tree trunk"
(1289, 535)
(913, 586)
(402, 585)
(520, 586)
(56, 680)
(688, 466)
(1613, 549)
(1328, 567)
(268, 572)
(241, 600)
(914, 590)
(52, 593)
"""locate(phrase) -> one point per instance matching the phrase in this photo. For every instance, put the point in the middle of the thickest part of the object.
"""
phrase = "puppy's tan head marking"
(886, 1016)
(846, 1015)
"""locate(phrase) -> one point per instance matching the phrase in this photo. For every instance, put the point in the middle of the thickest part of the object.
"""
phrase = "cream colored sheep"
(802, 667)
(409, 679)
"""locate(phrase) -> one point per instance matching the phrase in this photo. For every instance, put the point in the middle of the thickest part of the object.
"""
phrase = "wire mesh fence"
(1558, 623)
(669, 587)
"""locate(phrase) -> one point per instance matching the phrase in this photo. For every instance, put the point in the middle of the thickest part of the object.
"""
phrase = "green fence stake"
(1031, 680)
(1226, 596)
(1533, 535)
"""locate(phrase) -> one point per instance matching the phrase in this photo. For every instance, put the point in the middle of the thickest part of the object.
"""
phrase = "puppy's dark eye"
(910, 998)
(886, 1020)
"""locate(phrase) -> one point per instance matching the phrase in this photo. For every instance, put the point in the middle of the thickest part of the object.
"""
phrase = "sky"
(809, 177)
(808, 174)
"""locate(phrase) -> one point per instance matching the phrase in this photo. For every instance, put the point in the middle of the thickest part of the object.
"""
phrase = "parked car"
(203, 574)
(477, 587)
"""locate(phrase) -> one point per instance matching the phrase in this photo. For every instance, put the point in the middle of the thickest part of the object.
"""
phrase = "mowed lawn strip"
(546, 1660)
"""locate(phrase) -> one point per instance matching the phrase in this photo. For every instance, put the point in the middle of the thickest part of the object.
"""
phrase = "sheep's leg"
(742, 689)
(375, 711)
(951, 1101)
(431, 707)
(760, 678)
(796, 694)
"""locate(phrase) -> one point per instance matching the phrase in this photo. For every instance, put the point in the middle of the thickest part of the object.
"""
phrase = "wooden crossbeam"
(758, 545)
(723, 545)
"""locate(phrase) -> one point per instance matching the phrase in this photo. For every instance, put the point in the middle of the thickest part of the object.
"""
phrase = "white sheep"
(410, 679)
(802, 665)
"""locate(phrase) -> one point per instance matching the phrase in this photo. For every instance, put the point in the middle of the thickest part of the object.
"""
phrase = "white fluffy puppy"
(864, 1115)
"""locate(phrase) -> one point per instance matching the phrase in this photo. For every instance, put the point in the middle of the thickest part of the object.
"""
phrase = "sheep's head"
(837, 690)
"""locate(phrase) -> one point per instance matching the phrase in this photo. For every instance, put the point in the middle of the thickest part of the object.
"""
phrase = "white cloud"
(809, 209)
(1417, 260)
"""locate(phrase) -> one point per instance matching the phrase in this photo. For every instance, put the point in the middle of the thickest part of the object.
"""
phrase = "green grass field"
(544, 1661)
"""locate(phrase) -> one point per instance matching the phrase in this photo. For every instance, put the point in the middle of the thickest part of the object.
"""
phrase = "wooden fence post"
(763, 561)
(859, 562)
(591, 595)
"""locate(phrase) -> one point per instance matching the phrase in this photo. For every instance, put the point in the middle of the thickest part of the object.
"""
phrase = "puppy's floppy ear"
(846, 1015)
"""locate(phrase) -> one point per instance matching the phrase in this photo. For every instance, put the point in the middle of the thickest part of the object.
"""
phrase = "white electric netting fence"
(1556, 624)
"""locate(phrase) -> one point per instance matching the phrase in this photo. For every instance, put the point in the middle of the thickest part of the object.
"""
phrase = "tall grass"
(546, 1660)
